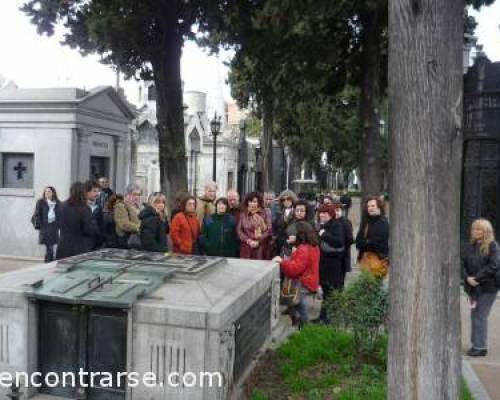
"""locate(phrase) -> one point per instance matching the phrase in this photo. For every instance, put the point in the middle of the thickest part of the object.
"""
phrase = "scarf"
(258, 223)
(51, 216)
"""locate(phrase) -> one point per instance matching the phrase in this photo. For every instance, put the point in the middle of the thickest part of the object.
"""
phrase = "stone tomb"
(125, 311)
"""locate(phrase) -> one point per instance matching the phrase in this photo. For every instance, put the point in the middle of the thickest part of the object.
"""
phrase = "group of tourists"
(310, 238)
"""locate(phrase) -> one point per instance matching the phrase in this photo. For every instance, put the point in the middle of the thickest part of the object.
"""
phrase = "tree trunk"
(267, 144)
(369, 111)
(170, 117)
(425, 93)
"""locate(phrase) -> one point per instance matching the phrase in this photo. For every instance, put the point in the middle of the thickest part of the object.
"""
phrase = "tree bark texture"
(425, 94)
(369, 111)
(267, 144)
(170, 117)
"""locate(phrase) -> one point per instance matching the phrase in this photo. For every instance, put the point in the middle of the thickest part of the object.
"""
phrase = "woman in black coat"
(78, 229)
(154, 224)
(481, 263)
(332, 242)
(373, 234)
(45, 220)
(348, 237)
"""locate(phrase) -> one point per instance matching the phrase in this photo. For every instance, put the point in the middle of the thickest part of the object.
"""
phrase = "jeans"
(307, 304)
(479, 320)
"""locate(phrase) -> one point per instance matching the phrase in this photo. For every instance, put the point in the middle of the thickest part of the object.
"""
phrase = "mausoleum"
(55, 137)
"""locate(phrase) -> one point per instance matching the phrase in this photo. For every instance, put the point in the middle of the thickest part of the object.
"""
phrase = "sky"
(31, 60)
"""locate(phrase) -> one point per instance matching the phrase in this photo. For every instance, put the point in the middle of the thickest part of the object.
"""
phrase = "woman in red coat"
(254, 228)
(185, 227)
(303, 268)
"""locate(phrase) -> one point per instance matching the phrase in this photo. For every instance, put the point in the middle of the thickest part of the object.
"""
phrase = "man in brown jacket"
(205, 205)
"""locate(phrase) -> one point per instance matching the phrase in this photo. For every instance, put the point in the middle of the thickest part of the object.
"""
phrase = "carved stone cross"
(20, 169)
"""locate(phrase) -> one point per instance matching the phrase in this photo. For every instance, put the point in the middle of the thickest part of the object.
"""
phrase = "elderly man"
(105, 192)
(233, 198)
(206, 203)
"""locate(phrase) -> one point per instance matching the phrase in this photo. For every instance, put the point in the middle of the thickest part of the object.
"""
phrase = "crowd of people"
(310, 237)
(263, 226)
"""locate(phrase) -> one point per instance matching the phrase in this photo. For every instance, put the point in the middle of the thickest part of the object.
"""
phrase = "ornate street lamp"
(215, 126)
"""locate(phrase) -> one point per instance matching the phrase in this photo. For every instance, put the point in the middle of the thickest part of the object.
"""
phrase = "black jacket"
(153, 231)
(49, 233)
(483, 268)
(348, 241)
(77, 230)
(373, 235)
(98, 217)
(331, 270)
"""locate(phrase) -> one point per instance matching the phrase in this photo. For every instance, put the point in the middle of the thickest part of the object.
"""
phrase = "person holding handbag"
(303, 268)
(372, 240)
(45, 220)
(480, 272)
(185, 228)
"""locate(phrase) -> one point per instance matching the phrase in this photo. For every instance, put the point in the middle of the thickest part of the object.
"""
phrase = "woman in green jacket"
(218, 232)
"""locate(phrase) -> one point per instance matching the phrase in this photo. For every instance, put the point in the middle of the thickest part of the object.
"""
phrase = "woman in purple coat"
(254, 228)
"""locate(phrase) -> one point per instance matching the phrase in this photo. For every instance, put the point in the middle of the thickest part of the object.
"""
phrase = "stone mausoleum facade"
(54, 137)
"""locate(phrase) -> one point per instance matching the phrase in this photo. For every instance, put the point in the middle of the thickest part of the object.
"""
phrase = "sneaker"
(477, 352)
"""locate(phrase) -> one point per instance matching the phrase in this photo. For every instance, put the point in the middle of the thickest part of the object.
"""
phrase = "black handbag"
(327, 249)
(35, 221)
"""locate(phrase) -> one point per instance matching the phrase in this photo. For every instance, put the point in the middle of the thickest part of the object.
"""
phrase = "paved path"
(7, 264)
(487, 368)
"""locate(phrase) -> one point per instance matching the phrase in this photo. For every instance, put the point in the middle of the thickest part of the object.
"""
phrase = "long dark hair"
(77, 195)
(54, 194)
(306, 234)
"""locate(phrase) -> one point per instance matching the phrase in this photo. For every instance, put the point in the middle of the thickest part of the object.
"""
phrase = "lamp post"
(215, 125)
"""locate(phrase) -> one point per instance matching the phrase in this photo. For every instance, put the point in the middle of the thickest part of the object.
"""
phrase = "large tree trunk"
(370, 100)
(170, 117)
(267, 144)
(425, 94)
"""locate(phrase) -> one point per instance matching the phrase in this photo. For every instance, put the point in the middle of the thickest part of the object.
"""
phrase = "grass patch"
(318, 363)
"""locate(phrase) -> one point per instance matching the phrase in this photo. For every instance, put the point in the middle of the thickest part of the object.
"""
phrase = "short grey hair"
(132, 187)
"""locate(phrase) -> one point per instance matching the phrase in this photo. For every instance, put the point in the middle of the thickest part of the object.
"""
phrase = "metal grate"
(252, 329)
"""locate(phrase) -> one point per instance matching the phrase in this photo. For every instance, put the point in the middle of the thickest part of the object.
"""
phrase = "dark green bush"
(361, 308)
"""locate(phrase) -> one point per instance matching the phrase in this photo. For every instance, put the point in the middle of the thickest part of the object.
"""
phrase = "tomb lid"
(102, 283)
(116, 278)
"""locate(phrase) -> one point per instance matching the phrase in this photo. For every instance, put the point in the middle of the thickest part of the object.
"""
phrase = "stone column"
(83, 154)
(120, 169)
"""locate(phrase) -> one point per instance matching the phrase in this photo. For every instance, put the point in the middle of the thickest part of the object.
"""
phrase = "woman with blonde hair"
(154, 224)
(481, 261)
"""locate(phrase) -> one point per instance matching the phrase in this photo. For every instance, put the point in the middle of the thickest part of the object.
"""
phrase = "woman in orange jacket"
(185, 228)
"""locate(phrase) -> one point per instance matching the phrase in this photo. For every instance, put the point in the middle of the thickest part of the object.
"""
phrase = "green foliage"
(465, 392)
(362, 308)
(253, 125)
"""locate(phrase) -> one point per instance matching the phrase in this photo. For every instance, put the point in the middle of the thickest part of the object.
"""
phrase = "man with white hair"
(233, 198)
(206, 203)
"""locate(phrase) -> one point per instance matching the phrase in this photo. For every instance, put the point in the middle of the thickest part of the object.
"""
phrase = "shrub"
(362, 308)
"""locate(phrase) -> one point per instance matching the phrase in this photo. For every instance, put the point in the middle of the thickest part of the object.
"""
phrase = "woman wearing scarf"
(254, 228)
(45, 219)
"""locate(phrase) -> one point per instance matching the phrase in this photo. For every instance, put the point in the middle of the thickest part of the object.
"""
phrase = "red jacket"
(184, 231)
(304, 266)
